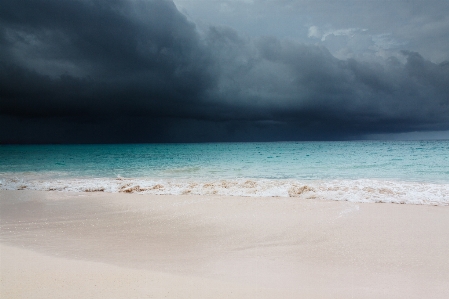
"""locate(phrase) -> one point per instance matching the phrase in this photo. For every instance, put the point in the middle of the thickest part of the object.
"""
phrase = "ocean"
(406, 172)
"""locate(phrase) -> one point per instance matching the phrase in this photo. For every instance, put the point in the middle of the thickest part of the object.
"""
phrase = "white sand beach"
(104, 245)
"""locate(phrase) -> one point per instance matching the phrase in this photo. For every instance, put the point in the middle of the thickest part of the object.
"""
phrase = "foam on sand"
(362, 190)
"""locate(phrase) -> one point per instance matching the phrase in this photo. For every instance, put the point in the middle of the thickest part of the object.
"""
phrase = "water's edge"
(412, 172)
(362, 190)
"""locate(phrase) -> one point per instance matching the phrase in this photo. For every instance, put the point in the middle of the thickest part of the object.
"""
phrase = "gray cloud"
(140, 71)
(375, 27)
(287, 80)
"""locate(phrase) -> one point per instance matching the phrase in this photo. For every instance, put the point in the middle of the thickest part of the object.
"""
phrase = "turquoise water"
(418, 161)
(175, 166)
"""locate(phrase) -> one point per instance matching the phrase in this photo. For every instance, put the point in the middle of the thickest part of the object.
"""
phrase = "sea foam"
(362, 190)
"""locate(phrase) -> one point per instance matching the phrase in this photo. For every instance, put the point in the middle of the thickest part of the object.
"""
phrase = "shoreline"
(351, 190)
(220, 246)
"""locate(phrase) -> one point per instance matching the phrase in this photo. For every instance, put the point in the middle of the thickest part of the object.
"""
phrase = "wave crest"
(364, 190)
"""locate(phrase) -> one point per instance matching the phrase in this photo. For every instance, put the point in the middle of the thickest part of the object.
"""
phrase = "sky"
(132, 71)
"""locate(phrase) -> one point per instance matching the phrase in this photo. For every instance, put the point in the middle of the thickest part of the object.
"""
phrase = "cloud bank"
(93, 71)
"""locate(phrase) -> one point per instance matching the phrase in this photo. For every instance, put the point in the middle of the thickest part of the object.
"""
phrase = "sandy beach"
(103, 245)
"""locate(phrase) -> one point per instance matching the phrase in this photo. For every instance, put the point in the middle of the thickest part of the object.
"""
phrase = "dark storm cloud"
(306, 86)
(139, 71)
(106, 39)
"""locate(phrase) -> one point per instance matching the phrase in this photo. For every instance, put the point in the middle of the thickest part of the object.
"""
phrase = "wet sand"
(99, 245)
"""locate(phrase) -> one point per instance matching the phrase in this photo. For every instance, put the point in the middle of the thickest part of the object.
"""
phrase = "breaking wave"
(362, 190)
